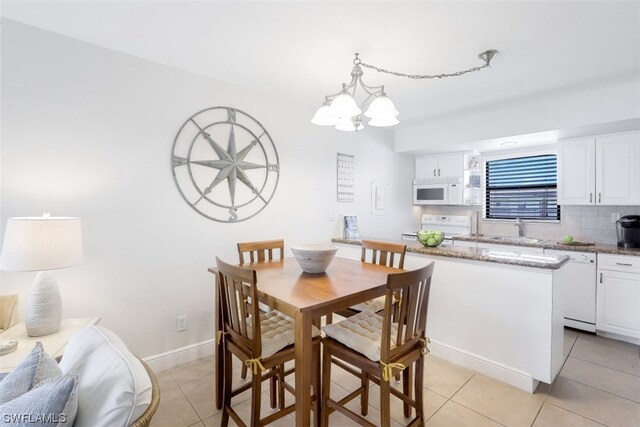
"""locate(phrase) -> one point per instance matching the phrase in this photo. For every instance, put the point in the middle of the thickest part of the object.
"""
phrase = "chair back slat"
(237, 286)
(411, 288)
(383, 253)
(260, 251)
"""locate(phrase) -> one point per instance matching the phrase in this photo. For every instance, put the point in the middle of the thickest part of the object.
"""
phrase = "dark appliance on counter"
(628, 231)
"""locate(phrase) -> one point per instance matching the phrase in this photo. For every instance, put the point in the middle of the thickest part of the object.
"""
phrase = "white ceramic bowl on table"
(314, 258)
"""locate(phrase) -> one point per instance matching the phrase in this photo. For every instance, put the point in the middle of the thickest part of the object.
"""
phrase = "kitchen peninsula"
(498, 313)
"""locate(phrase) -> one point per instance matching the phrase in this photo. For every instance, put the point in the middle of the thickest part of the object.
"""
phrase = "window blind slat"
(523, 187)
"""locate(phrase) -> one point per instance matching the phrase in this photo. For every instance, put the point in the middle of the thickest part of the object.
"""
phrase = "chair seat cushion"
(362, 333)
(114, 388)
(278, 332)
(374, 305)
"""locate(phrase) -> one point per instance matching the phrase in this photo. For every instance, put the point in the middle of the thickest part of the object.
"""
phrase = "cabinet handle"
(624, 264)
(438, 172)
(590, 197)
(434, 172)
(599, 197)
(600, 277)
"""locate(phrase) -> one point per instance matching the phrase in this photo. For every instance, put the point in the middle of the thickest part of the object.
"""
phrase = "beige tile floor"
(599, 385)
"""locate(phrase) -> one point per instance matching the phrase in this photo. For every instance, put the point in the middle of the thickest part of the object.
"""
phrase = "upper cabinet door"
(617, 169)
(576, 172)
(451, 165)
(426, 167)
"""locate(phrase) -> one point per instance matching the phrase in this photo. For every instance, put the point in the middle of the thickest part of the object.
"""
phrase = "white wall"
(548, 114)
(88, 132)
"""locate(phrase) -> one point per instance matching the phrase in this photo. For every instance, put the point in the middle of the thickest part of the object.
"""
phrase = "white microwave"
(437, 194)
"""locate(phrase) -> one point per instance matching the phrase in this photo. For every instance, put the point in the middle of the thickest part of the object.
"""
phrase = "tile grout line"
(605, 366)
(553, 383)
(472, 410)
(575, 413)
(604, 391)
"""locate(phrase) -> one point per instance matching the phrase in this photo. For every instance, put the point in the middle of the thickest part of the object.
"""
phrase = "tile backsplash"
(584, 223)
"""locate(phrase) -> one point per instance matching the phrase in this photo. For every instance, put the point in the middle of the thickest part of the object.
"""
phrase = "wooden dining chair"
(264, 342)
(381, 253)
(378, 345)
(260, 251)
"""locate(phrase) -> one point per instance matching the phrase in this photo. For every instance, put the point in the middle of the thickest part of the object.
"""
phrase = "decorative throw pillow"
(114, 388)
(53, 403)
(37, 368)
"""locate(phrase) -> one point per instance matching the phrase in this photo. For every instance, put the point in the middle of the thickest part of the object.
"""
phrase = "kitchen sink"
(514, 239)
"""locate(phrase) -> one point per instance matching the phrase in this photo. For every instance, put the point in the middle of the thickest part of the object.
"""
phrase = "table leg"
(219, 356)
(303, 356)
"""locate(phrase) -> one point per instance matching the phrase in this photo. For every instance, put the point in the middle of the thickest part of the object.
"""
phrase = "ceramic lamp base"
(44, 307)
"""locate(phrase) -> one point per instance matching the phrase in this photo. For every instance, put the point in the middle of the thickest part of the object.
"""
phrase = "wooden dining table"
(306, 297)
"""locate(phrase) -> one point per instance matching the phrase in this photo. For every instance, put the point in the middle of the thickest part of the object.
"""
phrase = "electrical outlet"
(615, 216)
(181, 323)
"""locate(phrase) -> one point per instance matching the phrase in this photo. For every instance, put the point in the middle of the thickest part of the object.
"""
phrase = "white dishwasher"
(580, 290)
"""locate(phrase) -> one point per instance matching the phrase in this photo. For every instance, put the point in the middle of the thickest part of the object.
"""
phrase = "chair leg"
(407, 381)
(316, 385)
(226, 396)
(273, 383)
(385, 403)
(256, 393)
(364, 398)
(326, 385)
(419, 384)
(281, 386)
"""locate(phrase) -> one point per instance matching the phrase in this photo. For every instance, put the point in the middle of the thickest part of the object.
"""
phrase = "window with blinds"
(522, 187)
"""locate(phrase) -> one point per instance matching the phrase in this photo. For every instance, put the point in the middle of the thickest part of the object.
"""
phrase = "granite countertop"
(555, 245)
(468, 253)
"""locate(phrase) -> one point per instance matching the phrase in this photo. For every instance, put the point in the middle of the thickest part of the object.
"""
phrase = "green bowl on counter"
(430, 238)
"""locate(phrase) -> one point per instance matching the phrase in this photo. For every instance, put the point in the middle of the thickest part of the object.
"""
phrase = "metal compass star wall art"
(225, 164)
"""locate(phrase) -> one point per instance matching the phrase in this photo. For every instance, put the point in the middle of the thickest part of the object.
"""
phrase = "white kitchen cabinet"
(577, 171)
(618, 296)
(599, 171)
(617, 172)
(444, 166)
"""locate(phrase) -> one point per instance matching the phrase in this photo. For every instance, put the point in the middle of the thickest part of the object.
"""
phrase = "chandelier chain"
(485, 56)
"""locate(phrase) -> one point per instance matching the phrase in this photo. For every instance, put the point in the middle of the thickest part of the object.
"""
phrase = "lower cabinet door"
(618, 303)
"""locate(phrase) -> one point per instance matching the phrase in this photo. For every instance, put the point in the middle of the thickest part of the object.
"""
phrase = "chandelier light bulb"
(381, 107)
(385, 121)
(323, 118)
(349, 124)
(344, 105)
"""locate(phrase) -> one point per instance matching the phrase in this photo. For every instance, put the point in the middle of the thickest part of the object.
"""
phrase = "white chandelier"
(342, 111)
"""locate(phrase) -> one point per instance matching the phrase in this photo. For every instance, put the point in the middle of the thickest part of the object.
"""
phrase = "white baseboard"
(179, 356)
(490, 368)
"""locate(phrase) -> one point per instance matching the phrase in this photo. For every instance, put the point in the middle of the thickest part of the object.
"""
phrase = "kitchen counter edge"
(551, 244)
(461, 253)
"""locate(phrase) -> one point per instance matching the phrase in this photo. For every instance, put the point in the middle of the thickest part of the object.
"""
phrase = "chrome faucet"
(520, 225)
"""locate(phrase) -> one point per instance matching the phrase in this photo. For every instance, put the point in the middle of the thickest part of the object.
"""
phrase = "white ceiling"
(302, 51)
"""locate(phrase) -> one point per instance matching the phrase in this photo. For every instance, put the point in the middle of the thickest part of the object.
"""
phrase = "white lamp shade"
(347, 125)
(344, 105)
(382, 122)
(323, 118)
(41, 243)
(381, 106)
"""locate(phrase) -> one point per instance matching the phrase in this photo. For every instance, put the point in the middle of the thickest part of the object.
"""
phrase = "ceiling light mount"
(342, 111)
